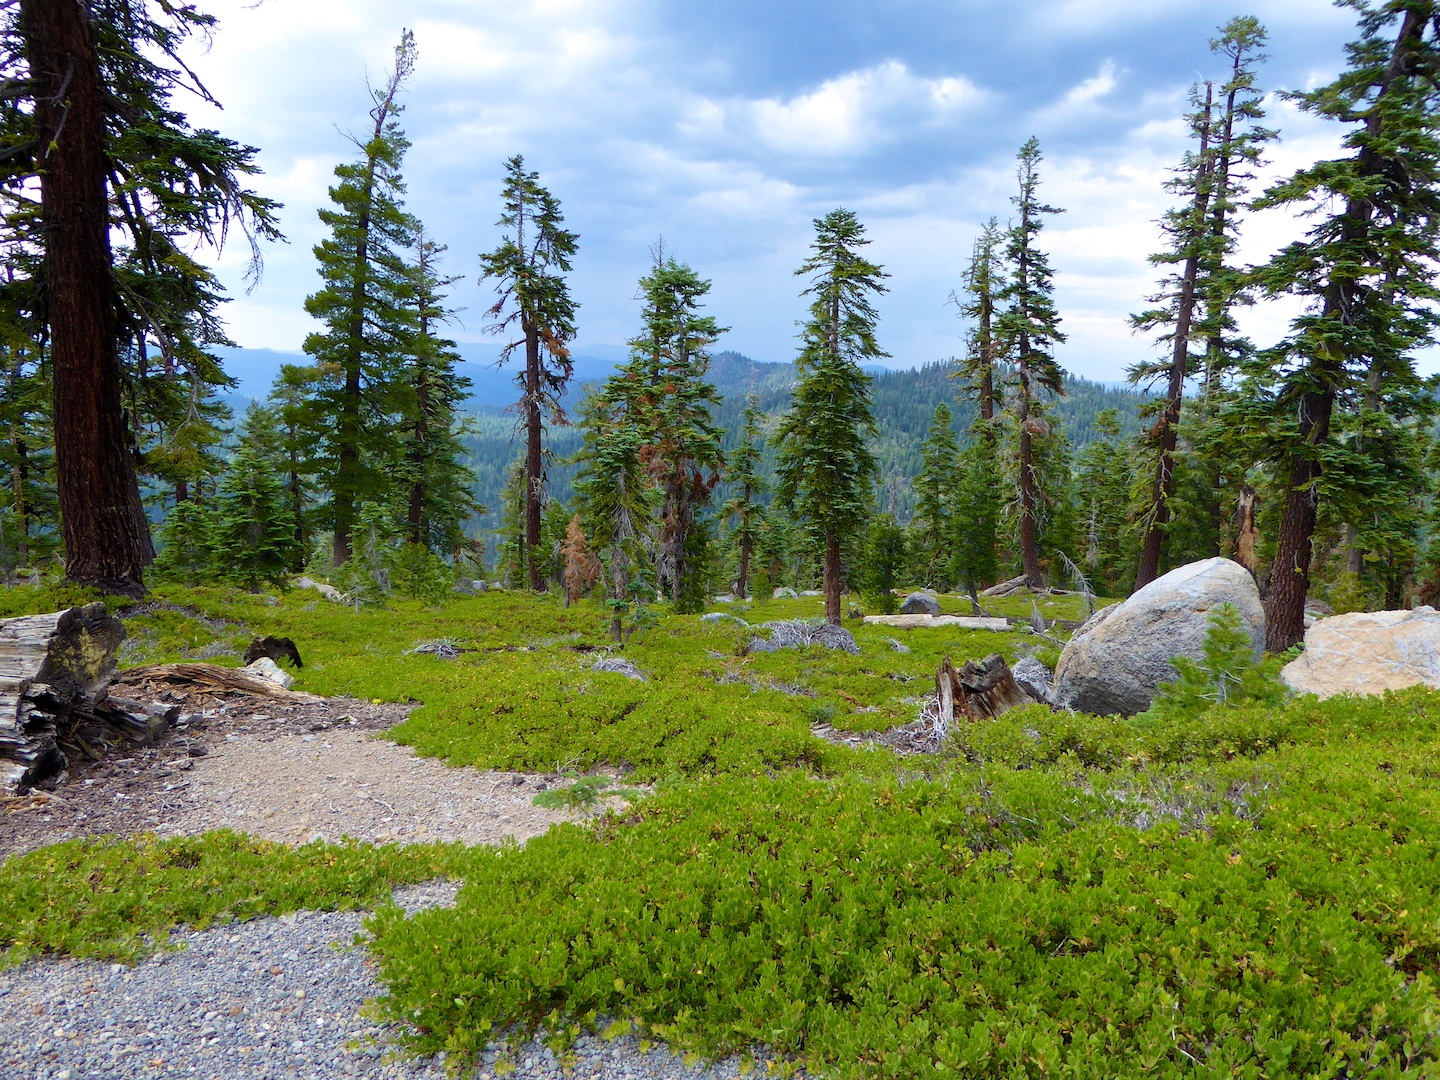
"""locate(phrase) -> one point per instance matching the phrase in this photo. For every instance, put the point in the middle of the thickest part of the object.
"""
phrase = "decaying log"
(1005, 588)
(55, 671)
(210, 679)
(980, 691)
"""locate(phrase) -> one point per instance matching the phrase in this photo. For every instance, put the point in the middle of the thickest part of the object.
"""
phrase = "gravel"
(271, 999)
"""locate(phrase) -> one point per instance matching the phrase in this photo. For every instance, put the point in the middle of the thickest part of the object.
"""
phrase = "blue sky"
(727, 127)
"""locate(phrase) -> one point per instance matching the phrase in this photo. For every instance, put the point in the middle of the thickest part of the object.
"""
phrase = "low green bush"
(118, 899)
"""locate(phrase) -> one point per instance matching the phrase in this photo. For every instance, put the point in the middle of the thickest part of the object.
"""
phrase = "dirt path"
(285, 772)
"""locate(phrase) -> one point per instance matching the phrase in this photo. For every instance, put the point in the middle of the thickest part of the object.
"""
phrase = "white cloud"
(1092, 89)
(845, 115)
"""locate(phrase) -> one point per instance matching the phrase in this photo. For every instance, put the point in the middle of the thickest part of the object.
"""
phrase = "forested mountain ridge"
(903, 401)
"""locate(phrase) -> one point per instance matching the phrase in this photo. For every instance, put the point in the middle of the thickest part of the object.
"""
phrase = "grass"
(1243, 892)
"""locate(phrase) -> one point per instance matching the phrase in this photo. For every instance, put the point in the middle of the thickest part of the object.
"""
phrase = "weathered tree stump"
(55, 674)
(979, 691)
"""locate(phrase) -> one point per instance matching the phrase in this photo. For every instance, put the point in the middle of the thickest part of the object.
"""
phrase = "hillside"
(903, 402)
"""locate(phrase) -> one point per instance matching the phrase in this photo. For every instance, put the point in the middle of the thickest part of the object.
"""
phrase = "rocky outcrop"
(1119, 658)
(920, 604)
(786, 593)
(1368, 653)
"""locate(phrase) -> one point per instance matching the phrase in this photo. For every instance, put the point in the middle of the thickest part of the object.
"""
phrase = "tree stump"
(980, 691)
(55, 672)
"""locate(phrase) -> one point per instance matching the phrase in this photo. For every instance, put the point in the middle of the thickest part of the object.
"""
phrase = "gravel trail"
(271, 999)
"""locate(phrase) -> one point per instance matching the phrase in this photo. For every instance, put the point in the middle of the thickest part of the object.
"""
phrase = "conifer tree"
(825, 464)
(1367, 268)
(747, 507)
(884, 562)
(935, 491)
(664, 392)
(365, 304)
(976, 521)
(983, 279)
(27, 456)
(1194, 299)
(252, 533)
(527, 268)
(616, 501)
(1029, 329)
(440, 498)
(89, 114)
(1103, 486)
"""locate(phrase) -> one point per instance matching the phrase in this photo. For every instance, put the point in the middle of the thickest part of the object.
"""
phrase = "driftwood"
(55, 674)
(979, 691)
(208, 679)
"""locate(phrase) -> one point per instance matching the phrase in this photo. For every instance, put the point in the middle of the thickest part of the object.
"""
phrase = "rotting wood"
(980, 690)
(210, 679)
(55, 674)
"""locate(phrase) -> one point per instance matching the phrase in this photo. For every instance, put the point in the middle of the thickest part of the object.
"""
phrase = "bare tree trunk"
(1290, 576)
(1029, 546)
(833, 614)
(107, 537)
(534, 456)
(742, 580)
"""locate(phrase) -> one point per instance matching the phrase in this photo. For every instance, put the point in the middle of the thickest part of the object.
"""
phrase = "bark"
(1029, 547)
(1164, 484)
(980, 690)
(833, 614)
(107, 537)
(742, 579)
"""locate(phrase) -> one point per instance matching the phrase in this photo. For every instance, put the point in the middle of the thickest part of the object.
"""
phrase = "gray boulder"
(1119, 658)
(799, 635)
(920, 603)
(267, 669)
(1034, 678)
(615, 665)
(786, 593)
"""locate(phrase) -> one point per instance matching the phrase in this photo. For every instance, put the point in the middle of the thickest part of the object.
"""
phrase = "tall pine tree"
(825, 463)
(1029, 330)
(528, 269)
(747, 506)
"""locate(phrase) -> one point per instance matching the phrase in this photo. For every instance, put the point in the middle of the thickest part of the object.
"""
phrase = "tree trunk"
(742, 580)
(106, 534)
(833, 614)
(1164, 484)
(1290, 576)
(534, 459)
(1029, 546)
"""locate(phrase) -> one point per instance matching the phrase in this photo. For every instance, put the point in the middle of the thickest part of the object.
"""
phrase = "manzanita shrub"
(1118, 901)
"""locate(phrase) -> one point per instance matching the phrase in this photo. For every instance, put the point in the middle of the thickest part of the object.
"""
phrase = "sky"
(727, 127)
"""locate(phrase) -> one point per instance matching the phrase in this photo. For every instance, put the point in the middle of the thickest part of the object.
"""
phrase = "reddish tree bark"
(107, 538)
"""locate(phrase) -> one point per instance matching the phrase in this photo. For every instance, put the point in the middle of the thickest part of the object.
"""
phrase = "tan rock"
(1368, 652)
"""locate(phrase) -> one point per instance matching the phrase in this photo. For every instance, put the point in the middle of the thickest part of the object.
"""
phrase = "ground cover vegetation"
(1230, 883)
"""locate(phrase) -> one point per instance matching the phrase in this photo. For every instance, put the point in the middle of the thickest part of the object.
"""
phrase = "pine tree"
(664, 392)
(1029, 329)
(883, 563)
(440, 498)
(582, 568)
(976, 522)
(935, 492)
(366, 306)
(982, 282)
(825, 464)
(91, 116)
(27, 456)
(252, 533)
(1103, 479)
(1367, 265)
(616, 501)
(747, 507)
(527, 268)
(1194, 300)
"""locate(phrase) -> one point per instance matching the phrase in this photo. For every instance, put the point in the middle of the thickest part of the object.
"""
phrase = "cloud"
(1092, 89)
(851, 113)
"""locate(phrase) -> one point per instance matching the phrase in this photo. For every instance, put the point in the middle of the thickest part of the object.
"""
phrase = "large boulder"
(1368, 653)
(920, 603)
(1119, 658)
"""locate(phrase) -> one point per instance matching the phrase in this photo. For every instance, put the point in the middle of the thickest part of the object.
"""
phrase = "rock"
(786, 593)
(1368, 653)
(927, 622)
(812, 592)
(327, 591)
(1117, 660)
(722, 616)
(920, 604)
(276, 648)
(497, 586)
(1034, 678)
(725, 598)
(467, 587)
(617, 666)
(898, 646)
(267, 669)
(799, 635)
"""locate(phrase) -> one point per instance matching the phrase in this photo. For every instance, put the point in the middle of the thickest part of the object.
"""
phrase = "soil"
(291, 771)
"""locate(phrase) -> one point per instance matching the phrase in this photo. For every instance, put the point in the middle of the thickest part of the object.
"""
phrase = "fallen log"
(208, 679)
(55, 673)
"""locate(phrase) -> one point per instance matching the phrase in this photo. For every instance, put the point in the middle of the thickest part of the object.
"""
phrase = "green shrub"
(1230, 673)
